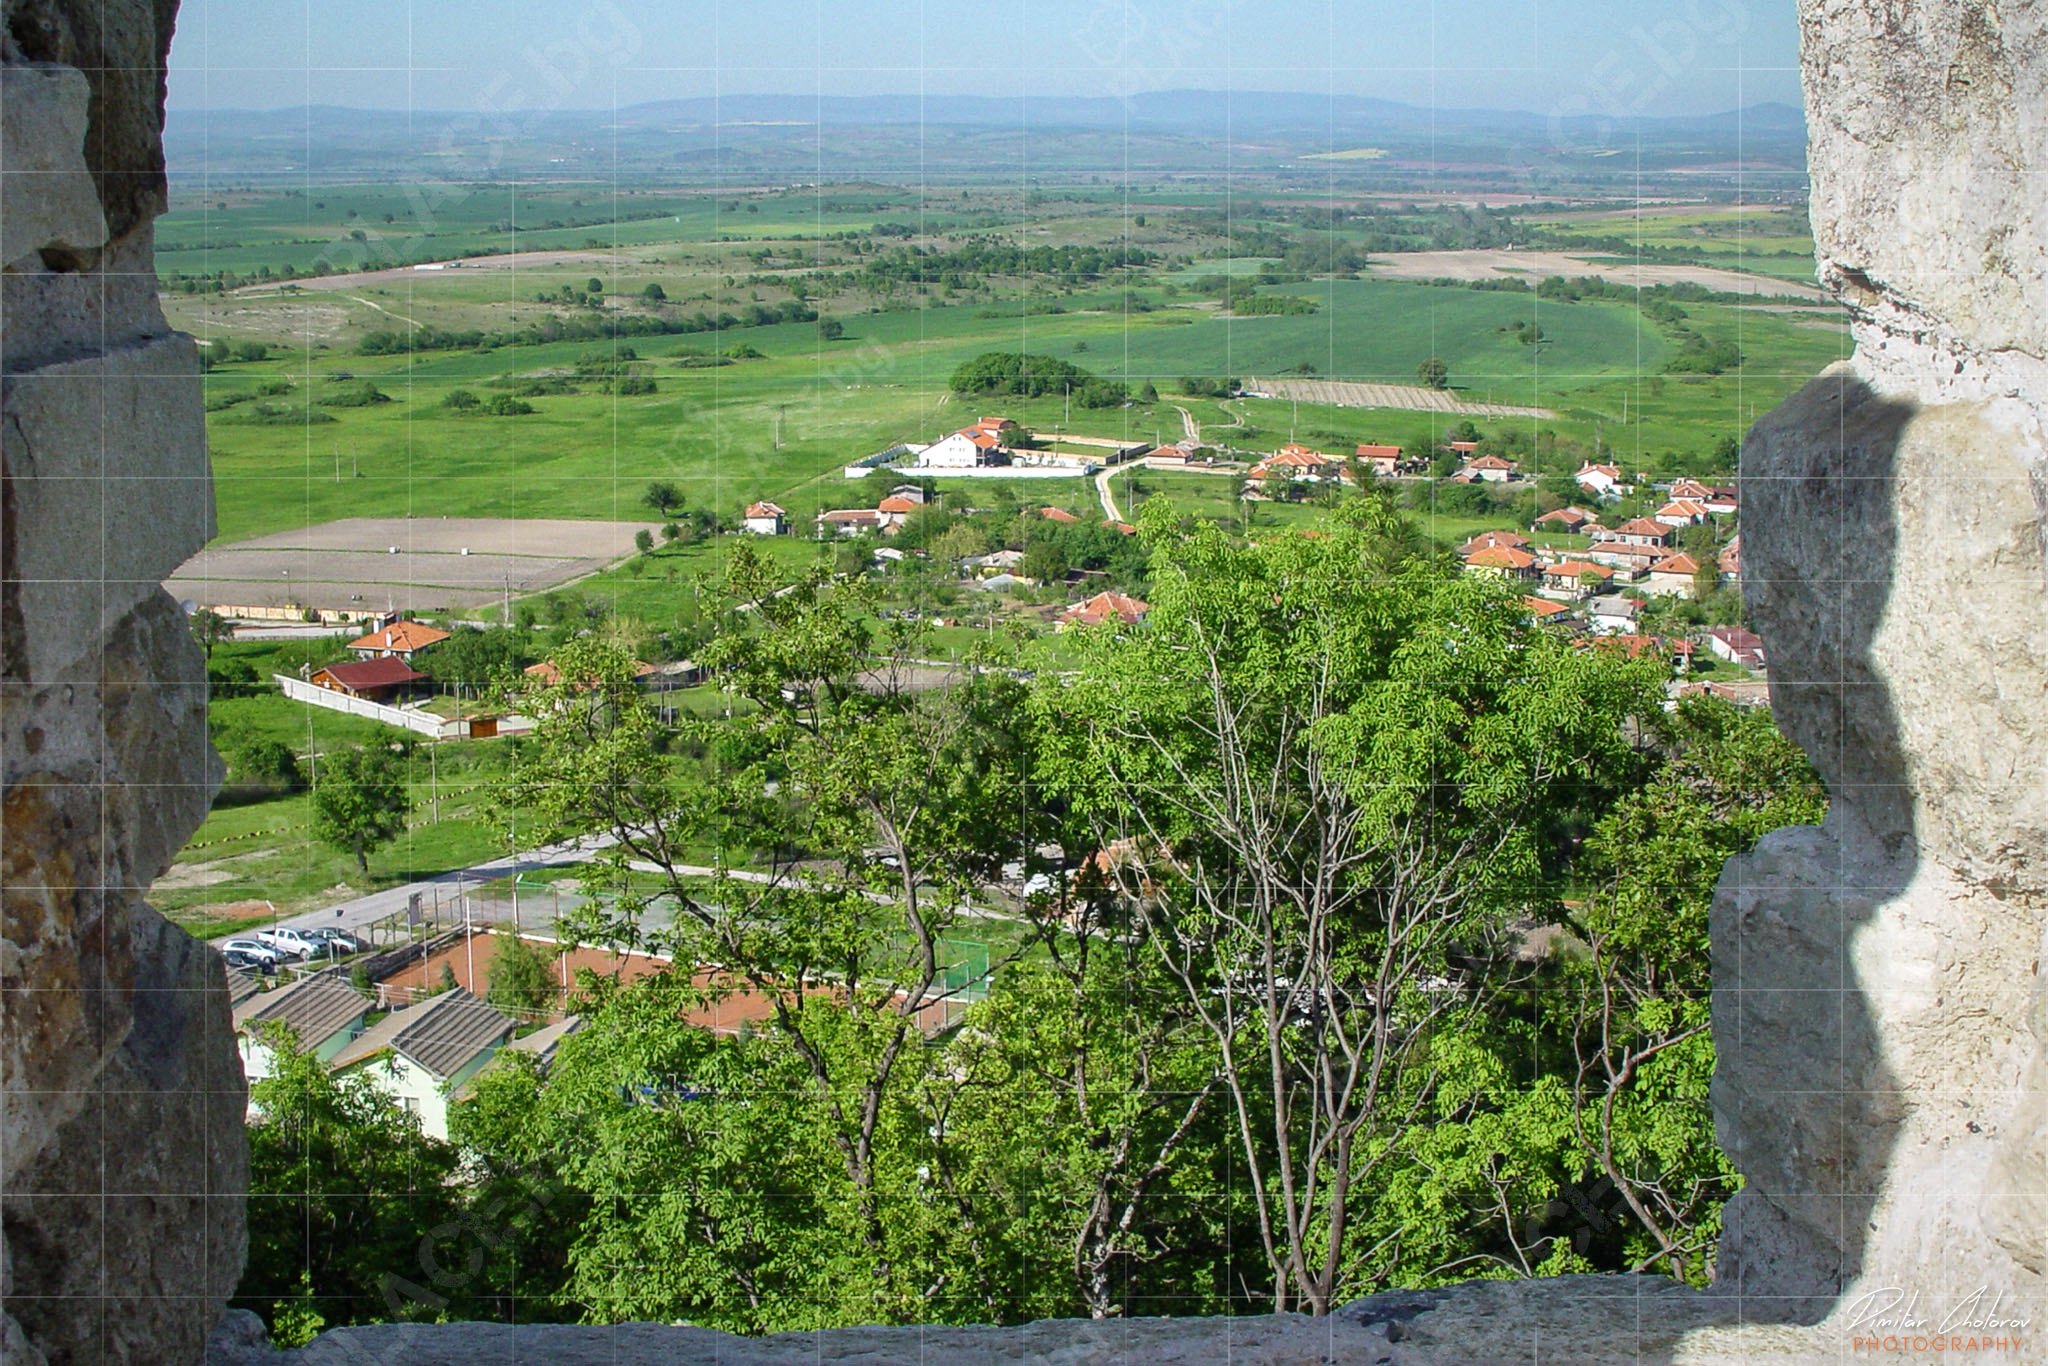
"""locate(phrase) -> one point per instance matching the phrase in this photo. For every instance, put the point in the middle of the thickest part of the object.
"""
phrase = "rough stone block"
(48, 202)
(127, 1234)
(107, 491)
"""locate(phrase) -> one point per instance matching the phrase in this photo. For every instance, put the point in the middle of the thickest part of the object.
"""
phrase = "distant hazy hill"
(743, 136)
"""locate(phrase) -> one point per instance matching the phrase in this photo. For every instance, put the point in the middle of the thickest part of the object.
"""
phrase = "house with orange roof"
(1487, 540)
(764, 519)
(1384, 461)
(1488, 469)
(1730, 560)
(1682, 512)
(849, 521)
(1504, 561)
(1569, 577)
(1104, 607)
(1639, 531)
(1572, 521)
(399, 640)
(1715, 498)
(985, 443)
(1543, 609)
(546, 672)
(1672, 576)
(1060, 515)
(1295, 461)
(893, 511)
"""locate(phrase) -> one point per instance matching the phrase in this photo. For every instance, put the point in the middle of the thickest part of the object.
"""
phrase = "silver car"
(288, 942)
(255, 948)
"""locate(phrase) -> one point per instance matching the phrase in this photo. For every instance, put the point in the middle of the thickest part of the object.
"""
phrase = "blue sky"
(1613, 57)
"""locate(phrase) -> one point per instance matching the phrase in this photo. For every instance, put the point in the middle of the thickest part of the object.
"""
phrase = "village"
(413, 992)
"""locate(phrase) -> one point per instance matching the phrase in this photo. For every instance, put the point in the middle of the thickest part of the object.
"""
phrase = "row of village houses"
(1637, 554)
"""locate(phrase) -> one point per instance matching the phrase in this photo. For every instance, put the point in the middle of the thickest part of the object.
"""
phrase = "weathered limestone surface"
(1585, 1320)
(1878, 987)
(122, 1156)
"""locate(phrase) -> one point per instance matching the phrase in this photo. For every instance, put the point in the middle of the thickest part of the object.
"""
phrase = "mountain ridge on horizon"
(1150, 109)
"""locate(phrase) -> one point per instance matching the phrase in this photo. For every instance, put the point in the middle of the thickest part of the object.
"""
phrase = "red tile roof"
(385, 671)
(1680, 563)
(1501, 557)
(1379, 452)
(1057, 515)
(403, 637)
(1106, 606)
(764, 510)
(1643, 526)
(1487, 539)
(897, 503)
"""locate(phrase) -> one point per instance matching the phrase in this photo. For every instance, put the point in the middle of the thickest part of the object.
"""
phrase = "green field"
(713, 430)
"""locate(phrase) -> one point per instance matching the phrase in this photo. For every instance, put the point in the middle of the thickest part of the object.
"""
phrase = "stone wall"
(1877, 982)
(1880, 1009)
(122, 1158)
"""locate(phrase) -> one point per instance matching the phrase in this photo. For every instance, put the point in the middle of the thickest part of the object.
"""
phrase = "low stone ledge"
(1586, 1320)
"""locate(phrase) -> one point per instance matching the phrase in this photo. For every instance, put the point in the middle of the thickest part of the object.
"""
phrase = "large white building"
(970, 447)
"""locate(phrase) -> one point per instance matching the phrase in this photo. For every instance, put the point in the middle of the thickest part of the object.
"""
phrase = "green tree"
(476, 659)
(259, 767)
(593, 286)
(344, 1191)
(904, 796)
(519, 976)
(1433, 374)
(830, 329)
(1411, 733)
(209, 628)
(661, 495)
(359, 801)
(643, 540)
(654, 294)
(1635, 1004)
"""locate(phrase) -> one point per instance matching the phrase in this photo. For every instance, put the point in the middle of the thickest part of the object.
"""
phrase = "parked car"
(288, 942)
(253, 948)
(249, 962)
(333, 943)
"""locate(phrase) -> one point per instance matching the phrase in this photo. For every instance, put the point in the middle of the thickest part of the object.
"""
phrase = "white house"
(956, 452)
(1673, 576)
(849, 521)
(1602, 481)
(1682, 512)
(1613, 616)
(324, 1012)
(1489, 469)
(420, 1054)
(764, 519)
(1737, 646)
(970, 447)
